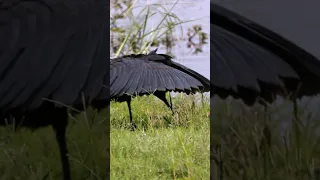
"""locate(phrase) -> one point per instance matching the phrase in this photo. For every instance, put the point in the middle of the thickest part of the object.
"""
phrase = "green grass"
(250, 145)
(26, 155)
(163, 146)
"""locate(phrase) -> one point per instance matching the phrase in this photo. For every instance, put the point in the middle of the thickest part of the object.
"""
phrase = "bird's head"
(154, 52)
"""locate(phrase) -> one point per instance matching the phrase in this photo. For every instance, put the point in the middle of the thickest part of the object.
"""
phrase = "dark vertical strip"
(108, 92)
(212, 163)
(213, 169)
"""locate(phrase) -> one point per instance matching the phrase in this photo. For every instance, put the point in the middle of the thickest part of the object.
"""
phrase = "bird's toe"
(133, 127)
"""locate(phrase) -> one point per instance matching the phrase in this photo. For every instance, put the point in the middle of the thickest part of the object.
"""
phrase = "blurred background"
(239, 132)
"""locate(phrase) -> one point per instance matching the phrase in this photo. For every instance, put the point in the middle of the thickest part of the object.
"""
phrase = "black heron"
(52, 51)
(252, 63)
(143, 74)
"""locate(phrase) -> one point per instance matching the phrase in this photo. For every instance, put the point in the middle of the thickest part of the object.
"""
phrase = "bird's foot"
(133, 127)
(174, 110)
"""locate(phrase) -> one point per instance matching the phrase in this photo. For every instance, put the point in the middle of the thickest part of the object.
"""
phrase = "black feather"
(250, 61)
(139, 74)
(56, 50)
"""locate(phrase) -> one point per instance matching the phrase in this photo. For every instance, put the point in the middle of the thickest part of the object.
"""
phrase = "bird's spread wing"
(205, 82)
(238, 62)
(248, 57)
(142, 74)
(51, 49)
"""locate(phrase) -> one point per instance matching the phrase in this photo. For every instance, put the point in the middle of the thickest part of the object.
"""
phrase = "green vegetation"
(27, 155)
(251, 144)
(164, 146)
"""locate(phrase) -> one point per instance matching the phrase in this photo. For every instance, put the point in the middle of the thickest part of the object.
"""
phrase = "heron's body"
(52, 51)
(137, 75)
(250, 61)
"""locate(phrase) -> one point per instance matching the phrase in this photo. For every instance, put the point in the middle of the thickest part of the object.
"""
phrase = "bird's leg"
(295, 119)
(295, 105)
(133, 126)
(60, 127)
(162, 96)
(171, 104)
(266, 139)
(296, 125)
(295, 109)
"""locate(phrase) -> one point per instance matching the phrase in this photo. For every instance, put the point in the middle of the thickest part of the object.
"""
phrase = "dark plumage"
(137, 75)
(56, 50)
(250, 61)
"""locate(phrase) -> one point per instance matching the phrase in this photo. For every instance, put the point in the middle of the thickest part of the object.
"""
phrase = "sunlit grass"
(164, 146)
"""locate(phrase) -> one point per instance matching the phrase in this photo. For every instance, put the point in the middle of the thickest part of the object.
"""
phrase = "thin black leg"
(133, 126)
(171, 104)
(60, 128)
(266, 139)
(162, 96)
(295, 110)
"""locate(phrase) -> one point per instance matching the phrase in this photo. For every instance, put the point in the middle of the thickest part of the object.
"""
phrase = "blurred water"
(296, 20)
